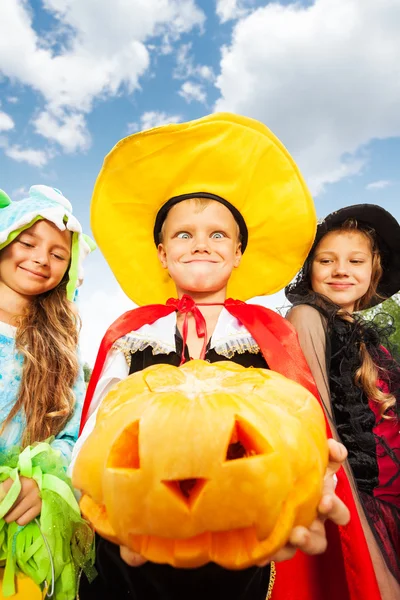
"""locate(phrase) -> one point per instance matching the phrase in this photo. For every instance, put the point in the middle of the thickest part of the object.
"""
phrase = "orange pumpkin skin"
(26, 589)
(203, 463)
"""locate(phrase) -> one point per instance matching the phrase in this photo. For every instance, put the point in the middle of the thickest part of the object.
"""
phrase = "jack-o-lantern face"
(203, 463)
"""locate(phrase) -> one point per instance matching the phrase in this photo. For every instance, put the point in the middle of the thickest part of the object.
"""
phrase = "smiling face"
(37, 260)
(200, 247)
(342, 267)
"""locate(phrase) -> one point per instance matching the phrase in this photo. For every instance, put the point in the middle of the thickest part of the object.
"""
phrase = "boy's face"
(200, 246)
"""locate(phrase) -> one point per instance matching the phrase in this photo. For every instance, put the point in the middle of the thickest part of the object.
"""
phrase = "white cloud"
(68, 130)
(193, 91)
(36, 158)
(20, 193)
(6, 122)
(227, 10)
(378, 185)
(97, 51)
(153, 118)
(324, 78)
(186, 68)
(98, 310)
(104, 52)
(12, 99)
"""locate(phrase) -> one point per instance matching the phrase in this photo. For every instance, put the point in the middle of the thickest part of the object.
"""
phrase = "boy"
(212, 194)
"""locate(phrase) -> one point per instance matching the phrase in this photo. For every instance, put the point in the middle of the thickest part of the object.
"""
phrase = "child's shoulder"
(306, 317)
(160, 336)
(302, 311)
(7, 331)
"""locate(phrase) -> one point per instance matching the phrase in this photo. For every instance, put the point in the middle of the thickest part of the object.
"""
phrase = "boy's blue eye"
(218, 235)
(183, 235)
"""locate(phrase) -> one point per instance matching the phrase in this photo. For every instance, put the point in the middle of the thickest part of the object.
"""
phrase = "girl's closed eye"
(59, 257)
(25, 244)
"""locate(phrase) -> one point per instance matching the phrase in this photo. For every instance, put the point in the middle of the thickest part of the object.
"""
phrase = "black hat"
(387, 233)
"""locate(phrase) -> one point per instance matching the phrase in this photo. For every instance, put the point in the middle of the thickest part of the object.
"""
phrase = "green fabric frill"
(54, 548)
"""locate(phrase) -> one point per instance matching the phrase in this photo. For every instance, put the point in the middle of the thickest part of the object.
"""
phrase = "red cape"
(345, 571)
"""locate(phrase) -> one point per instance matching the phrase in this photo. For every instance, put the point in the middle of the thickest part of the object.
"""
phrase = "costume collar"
(276, 338)
(229, 336)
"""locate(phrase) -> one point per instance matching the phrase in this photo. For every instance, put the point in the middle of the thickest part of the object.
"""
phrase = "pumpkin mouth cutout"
(124, 453)
(186, 490)
(245, 442)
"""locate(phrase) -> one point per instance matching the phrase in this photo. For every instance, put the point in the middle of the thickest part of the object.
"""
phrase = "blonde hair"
(366, 377)
(367, 374)
(200, 205)
(47, 337)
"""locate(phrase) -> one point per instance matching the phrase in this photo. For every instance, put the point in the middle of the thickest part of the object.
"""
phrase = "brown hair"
(47, 337)
(367, 374)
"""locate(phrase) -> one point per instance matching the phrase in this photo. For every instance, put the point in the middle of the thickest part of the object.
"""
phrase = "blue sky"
(78, 75)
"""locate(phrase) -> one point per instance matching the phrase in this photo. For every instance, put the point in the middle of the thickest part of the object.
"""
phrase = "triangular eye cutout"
(245, 441)
(187, 490)
(124, 452)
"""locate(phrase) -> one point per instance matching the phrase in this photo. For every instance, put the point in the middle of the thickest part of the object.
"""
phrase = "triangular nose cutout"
(187, 490)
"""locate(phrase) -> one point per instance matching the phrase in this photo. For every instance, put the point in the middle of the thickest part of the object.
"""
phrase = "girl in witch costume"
(211, 195)
(41, 382)
(355, 264)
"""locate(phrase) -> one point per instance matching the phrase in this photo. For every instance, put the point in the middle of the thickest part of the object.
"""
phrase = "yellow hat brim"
(234, 157)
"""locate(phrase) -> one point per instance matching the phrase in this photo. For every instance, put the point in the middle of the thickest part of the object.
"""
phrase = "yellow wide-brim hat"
(230, 156)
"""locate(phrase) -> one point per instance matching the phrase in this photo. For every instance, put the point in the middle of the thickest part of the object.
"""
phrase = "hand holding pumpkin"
(313, 540)
(133, 559)
(331, 506)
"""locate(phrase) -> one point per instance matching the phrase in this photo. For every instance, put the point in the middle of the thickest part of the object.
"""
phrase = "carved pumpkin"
(203, 463)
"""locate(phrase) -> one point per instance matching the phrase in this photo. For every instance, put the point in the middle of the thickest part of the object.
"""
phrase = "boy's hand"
(133, 559)
(331, 507)
(28, 504)
(313, 540)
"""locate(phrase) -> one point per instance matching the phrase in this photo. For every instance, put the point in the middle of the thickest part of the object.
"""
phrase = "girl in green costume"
(41, 387)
